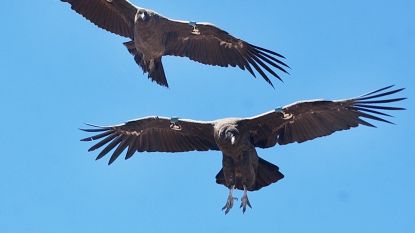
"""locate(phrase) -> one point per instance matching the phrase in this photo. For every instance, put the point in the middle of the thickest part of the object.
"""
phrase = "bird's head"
(143, 15)
(231, 135)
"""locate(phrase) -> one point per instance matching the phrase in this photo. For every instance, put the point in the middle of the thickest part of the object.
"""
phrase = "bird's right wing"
(153, 134)
(116, 16)
(307, 120)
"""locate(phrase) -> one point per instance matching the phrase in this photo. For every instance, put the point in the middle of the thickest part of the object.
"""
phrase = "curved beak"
(142, 15)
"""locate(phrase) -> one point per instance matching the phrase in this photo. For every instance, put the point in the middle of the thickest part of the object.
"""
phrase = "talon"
(249, 204)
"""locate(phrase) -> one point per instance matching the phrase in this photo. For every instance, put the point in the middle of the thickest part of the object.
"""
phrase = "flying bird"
(153, 36)
(237, 138)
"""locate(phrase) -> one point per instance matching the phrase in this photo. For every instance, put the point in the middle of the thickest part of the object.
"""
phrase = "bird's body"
(154, 36)
(240, 160)
(237, 138)
(150, 43)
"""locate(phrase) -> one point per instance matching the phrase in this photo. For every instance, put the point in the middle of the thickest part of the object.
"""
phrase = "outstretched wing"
(116, 16)
(153, 134)
(303, 121)
(210, 45)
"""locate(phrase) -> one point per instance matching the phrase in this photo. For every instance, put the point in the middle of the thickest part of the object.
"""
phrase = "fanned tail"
(267, 173)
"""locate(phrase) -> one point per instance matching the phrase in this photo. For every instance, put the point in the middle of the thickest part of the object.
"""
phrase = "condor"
(154, 36)
(237, 138)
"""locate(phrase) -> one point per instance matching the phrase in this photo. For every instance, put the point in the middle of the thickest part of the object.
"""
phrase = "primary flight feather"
(154, 36)
(237, 138)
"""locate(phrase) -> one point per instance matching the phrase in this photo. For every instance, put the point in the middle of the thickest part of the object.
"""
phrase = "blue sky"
(59, 71)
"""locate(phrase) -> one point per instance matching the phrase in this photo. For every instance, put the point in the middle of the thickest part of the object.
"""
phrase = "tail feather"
(267, 173)
(220, 178)
(154, 68)
(157, 74)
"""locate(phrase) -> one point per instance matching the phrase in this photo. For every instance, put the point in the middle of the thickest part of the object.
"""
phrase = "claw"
(249, 204)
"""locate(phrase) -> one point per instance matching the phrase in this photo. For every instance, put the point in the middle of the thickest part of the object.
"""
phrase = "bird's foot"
(229, 204)
(245, 201)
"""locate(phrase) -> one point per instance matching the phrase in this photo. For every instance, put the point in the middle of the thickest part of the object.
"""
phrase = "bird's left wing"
(208, 44)
(307, 120)
(153, 134)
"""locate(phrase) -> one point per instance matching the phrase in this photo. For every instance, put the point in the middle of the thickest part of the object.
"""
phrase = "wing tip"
(88, 139)
(367, 104)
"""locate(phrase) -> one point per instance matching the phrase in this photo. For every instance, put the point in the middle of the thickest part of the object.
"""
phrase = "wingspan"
(307, 120)
(207, 44)
(153, 134)
(116, 16)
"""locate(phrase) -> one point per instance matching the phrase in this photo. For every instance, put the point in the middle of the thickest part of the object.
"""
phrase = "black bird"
(154, 36)
(237, 138)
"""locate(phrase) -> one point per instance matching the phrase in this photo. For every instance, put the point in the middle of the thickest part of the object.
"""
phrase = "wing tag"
(174, 125)
(195, 30)
(279, 110)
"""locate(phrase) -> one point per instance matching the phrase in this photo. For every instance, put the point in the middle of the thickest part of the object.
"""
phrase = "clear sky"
(59, 71)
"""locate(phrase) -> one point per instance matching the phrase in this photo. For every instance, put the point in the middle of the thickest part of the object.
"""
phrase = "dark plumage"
(154, 36)
(237, 138)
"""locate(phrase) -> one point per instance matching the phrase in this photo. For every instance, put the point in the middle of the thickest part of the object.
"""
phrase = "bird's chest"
(148, 40)
(233, 151)
(236, 150)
